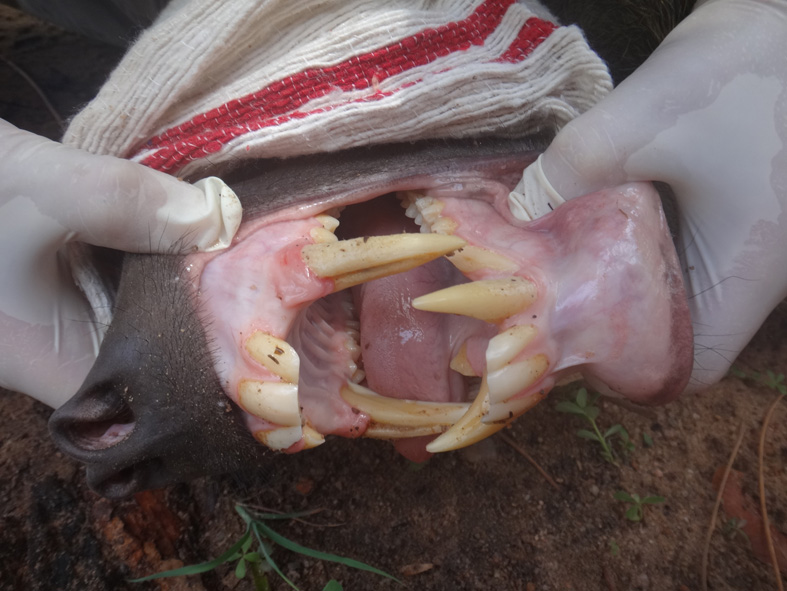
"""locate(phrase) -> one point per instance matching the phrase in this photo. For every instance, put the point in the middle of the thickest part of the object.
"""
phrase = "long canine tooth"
(469, 429)
(474, 258)
(375, 431)
(358, 260)
(402, 413)
(515, 377)
(461, 364)
(274, 354)
(489, 300)
(512, 408)
(276, 402)
(508, 344)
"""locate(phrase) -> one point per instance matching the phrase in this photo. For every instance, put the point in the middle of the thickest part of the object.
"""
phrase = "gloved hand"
(51, 195)
(706, 113)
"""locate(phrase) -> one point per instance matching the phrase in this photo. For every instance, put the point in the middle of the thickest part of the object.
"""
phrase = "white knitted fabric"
(213, 82)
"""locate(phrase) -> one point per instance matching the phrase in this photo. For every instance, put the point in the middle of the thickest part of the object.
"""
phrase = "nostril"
(102, 433)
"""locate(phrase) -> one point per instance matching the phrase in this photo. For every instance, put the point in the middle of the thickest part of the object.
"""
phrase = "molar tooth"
(407, 414)
(276, 402)
(475, 258)
(461, 364)
(512, 408)
(515, 377)
(358, 260)
(328, 222)
(280, 439)
(490, 300)
(508, 344)
(469, 429)
(275, 354)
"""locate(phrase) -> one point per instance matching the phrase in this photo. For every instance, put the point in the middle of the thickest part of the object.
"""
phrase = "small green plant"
(768, 379)
(733, 528)
(614, 548)
(584, 405)
(647, 440)
(636, 509)
(260, 562)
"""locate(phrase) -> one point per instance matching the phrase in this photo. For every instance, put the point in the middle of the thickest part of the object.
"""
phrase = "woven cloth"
(213, 82)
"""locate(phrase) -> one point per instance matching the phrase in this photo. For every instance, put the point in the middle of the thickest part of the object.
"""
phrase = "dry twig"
(763, 508)
(712, 526)
(517, 448)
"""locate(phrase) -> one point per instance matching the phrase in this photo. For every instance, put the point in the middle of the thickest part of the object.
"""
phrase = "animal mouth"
(429, 311)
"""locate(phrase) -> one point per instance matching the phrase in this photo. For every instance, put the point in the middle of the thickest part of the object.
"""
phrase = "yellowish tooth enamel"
(321, 236)
(402, 413)
(515, 377)
(280, 439)
(375, 431)
(469, 429)
(490, 299)
(274, 354)
(276, 402)
(358, 260)
(474, 258)
(513, 408)
(311, 437)
(508, 344)
(328, 222)
(461, 364)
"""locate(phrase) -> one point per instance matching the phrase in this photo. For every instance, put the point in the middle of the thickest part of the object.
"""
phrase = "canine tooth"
(358, 260)
(280, 439)
(274, 354)
(312, 437)
(474, 258)
(276, 402)
(512, 408)
(402, 413)
(461, 364)
(375, 431)
(515, 377)
(508, 344)
(469, 429)
(489, 300)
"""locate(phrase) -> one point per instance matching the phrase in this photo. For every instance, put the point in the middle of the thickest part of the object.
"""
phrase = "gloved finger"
(111, 202)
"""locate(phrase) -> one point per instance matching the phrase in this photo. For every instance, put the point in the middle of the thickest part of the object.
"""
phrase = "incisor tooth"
(461, 364)
(328, 222)
(515, 377)
(358, 260)
(469, 429)
(274, 354)
(489, 300)
(513, 408)
(312, 437)
(280, 439)
(276, 402)
(508, 344)
(402, 413)
(474, 258)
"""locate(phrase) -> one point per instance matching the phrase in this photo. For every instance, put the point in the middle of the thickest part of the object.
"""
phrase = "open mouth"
(427, 310)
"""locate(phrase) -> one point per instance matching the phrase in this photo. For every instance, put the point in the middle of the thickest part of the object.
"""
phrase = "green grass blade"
(297, 548)
(333, 585)
(203, 567)
(269, 558)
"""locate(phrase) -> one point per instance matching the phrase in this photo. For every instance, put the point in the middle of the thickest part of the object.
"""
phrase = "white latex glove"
(51, 195)
(706, 113)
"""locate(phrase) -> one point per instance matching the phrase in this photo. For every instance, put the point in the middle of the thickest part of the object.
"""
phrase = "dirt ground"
(482, 518)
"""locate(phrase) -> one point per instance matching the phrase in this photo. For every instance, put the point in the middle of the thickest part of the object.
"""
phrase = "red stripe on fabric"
(279, 102)
(530, 36)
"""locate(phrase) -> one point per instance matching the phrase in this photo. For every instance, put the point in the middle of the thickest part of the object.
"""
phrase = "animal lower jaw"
(514, 350)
